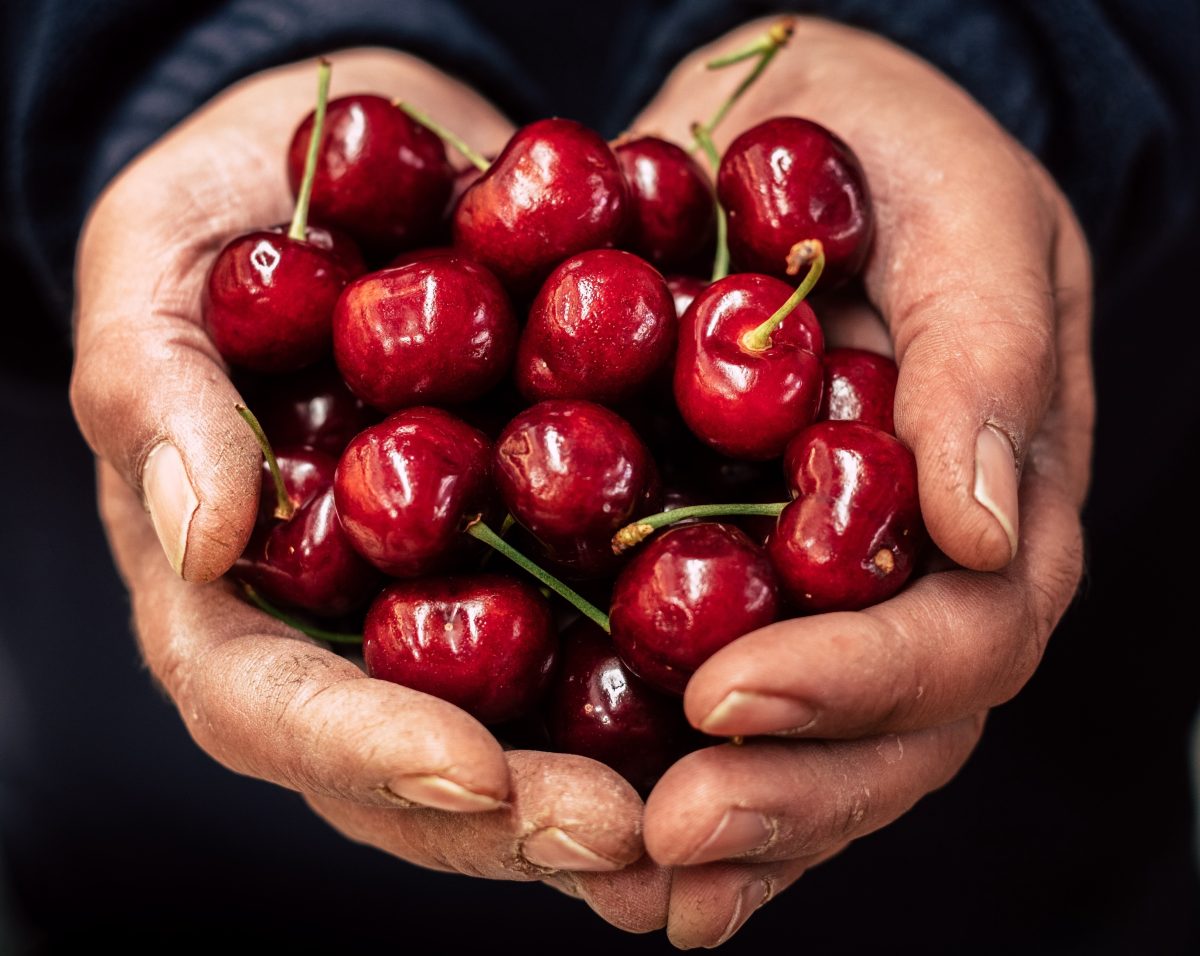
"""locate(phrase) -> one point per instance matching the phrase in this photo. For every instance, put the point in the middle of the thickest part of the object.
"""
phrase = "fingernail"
(996, 480)
(442, 794)
(746, 712)
(752, 896)
(554, 849)
(738, 832)
(171, 499)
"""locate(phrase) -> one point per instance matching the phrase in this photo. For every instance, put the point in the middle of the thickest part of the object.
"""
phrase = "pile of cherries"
(540, 370)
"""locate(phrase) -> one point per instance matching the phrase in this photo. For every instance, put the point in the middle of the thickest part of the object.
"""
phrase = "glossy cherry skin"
(600, 328)
(684, 290)
(556, 189)
(687, 593)
(344, 249)
(306, 561)
(851, 537)
(671, 218)
(405, 488)
(596, 707)
(381, 176)
(860, 386)
(312, 408)
(745, 402)
(790, 179)
(268, 301)
(439, 330)
(573, 473)
(485, 642)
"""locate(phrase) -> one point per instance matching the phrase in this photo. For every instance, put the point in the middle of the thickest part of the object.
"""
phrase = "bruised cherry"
(860, 386)
(671, 218)
(484, 642)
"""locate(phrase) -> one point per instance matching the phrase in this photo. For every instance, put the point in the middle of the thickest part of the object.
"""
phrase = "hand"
(980, 274)
(384, 764)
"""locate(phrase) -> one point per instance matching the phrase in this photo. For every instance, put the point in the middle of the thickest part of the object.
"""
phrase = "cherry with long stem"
(299, 227)
(447, 136)
(477, 529)
(721, 258)
(638, 531)
(284, 507)
(809, 252)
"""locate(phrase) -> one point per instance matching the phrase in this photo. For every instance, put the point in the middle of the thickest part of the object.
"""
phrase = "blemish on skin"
(884, 561)
(891, 749)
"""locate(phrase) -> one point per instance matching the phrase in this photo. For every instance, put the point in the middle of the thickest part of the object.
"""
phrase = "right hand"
(385, 765)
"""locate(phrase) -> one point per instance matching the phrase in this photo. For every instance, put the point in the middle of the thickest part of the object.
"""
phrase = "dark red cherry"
(268, 301)
(850, 538)
(860, 386)
(485, 643)
(671, 218)
(311, 408)
(381, 176)
(596, 707)
(344, 249)
(405, 488)
(687, 593)
(746, 401)
(573, 473)
(306, 561)
(600, 328)
(790, 179)
(409, 256)
(555, 190)
(684, 290)
(439, 330)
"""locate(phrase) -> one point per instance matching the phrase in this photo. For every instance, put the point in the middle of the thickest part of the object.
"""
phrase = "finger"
(782, 800)
(265, 701)
(565, 813)
(634, 899)
(951, 644)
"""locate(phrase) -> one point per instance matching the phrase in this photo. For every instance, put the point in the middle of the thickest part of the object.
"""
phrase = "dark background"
(1071, 830)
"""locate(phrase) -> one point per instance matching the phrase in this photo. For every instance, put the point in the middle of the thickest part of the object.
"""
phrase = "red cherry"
(686, 594)
(743, 400)
(484, 643)
(344, 249)
(380, 176)
(305, 561)
(851, 537)
(600, 328)
(409, 256)
(684, 290)
(860, 386)
(672, 219)
(555, 190)
(573, 473)
(438, 330)
(405, 487)
(311, 408)
(596, 707)
(790, 179)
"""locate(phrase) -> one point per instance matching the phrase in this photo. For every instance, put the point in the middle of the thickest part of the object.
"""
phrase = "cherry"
(380, 176)
(344, 249)
(851, 537)
(438, 330)
(600, 328)
(484, 643)
(556, 189)
(596, 707)
(409, 256)
(572, 473)
(311, 408)
(684, 290)
(748, 373)
(789, 179)
(686, 594)
(671, 219)
(860, 386)
(405, 488)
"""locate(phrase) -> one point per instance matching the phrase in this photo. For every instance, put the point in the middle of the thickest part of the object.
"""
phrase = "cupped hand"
(981, 278)
(385, 765)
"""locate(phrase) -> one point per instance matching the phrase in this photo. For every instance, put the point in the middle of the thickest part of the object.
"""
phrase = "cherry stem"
(634, 534)
(721, 259)
(299, 227)
(766, 47)
(478, 160)
(284, 506)
(810, 252)
(480, 531)
(332, 637)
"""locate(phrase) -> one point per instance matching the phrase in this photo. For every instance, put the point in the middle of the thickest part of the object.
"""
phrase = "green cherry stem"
(634, 534)
(284, 507)
(810, 252)
(765, 48)
(299, 227)
(478, 160)
(477, 529)
(721, 259)
(319, 633)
